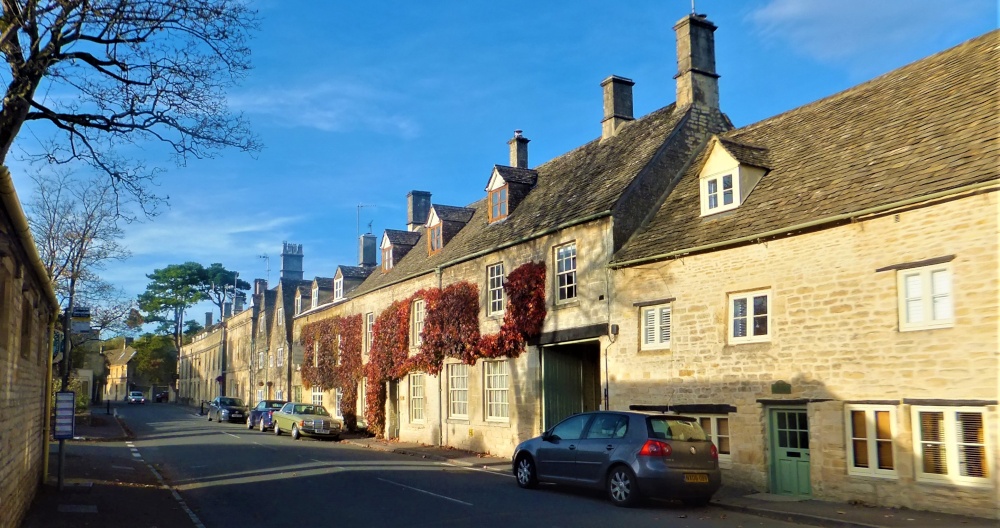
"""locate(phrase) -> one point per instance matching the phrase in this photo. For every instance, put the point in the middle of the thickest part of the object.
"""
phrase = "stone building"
(821, 288)
(121, 371)
(200, 366)
(28, 310)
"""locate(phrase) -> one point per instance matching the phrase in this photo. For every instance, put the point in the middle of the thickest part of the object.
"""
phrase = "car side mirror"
(547, 436)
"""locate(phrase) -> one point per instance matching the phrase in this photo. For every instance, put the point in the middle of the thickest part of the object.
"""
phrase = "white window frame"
(260, 358)
(298, 304)
(315, 295)
(281, 356)
(725, 459)
(340, 398)
(340, 350)
(369, 331)
(871, 440)
(458, 391)
(751, 314)
(496, 386)
(317, 396)
(655, 331)
(951, 446)
(387, 258)
(260, 394)
(930, 295)
(496, 301)
(338, 289)
(270, 361)
(720, 192)
(417, 386)
(316, 353)
(566, 284)
(417, 326)
(278, 394)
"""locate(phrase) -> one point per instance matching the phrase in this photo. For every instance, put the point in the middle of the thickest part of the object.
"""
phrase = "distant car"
(135, 397)
(161, 397)
(305, 419)
(227, 409)
(630, 454)
(260, 415)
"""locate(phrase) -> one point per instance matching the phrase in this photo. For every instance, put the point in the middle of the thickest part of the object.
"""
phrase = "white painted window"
(369, 331)
(260, 358)
(656, 327)
(925, 298)
(718, 193)
(497, 386)
(417, 397)
(298, 305)
(260, 394)
(315, 295)
(270, 360)
(387, 258)
(362, 397)
(417, 326)
(340, 399)
(949, 444)
(317, 396)
(281, 356)
(750, 317)
(316, 353)
(338, 288)
(870, 447)
(340, 350)
(458, 391)
(716, 426)
(566, 272)
(279, 394)
(494, 279)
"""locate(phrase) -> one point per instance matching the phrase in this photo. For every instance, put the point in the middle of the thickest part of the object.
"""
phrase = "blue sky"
(362, 102)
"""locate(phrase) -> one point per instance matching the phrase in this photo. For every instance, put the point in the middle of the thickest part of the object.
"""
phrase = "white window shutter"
(665, 324)
(649, 333)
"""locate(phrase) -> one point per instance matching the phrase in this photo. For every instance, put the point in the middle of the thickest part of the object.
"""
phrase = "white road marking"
(123, 467)
(480, 470)
(427, 492)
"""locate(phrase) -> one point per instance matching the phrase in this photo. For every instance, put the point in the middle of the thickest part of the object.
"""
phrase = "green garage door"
(562, 385)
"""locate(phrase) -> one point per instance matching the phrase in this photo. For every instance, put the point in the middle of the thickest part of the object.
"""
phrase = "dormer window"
(315, 295)
(387, 258)
(436, 239)
(498, 204)
(718, 192)
(338, 288)
(731, 171)
(298, 304)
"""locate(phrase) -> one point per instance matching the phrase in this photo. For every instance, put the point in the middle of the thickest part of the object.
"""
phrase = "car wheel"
(249, 423)
(261, 425)
(623, 490)
(524, 470)
(210, 416)
(295, 432)
(277, 430)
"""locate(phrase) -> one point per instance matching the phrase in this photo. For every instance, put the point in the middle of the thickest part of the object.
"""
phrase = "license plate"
(237, 415)
(696, 477)
(322, 431)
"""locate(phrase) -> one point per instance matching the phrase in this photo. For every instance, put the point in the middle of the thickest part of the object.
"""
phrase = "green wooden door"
(790, 448)
(562, 385)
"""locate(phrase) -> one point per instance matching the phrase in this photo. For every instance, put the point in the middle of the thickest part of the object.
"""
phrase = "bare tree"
(105, 73)
(75, 226)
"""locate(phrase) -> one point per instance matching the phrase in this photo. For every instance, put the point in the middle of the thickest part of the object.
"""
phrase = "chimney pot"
(367, 251)
(208, 319)
(617, 104)
(519, 150)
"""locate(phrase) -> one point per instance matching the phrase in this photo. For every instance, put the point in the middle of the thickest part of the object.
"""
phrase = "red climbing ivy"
(523, 317)
(451, 326)
(349, 370)
(321, 367)
(319, 361)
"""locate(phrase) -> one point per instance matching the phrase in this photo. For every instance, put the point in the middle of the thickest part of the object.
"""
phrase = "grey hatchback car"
(630, 454)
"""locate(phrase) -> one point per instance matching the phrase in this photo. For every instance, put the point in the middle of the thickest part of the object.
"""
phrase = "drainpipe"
(441, 428)
(46, 428)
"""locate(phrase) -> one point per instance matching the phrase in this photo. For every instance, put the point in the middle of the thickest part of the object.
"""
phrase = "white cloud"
(855, 32)
(330, 107)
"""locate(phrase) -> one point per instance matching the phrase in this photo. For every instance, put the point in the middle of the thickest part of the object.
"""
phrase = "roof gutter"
(22, 232)
(806, 225)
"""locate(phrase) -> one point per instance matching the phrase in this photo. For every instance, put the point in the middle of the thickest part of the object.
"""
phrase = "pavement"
(110, 487)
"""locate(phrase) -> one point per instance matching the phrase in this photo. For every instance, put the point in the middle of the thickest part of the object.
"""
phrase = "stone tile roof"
(121, 357)
(449, 213)
(353, 272)
(402, 238)
(580, 184)
(745, 153)
(324, 282)
(928, 127)
(517, 174)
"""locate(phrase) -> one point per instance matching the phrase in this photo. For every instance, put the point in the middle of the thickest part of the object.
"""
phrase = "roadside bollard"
(201, 408)
(109, 407)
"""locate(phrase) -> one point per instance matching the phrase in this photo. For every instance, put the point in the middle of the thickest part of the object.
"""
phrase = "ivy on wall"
(523, 317)
(349, 370)
(319, 361)
(451, 326)
(332, 360)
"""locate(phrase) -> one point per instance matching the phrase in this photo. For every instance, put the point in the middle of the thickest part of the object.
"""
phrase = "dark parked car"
(260, 415)
(630, 454)
(161, 397)
(227, 409)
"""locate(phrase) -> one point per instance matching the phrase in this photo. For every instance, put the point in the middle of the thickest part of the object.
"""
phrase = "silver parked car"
(630, 454)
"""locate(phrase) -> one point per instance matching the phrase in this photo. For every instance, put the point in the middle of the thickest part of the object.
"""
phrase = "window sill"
(497, 422)
(559, 305)
(872, 476)
(458, 421)
(945, 480)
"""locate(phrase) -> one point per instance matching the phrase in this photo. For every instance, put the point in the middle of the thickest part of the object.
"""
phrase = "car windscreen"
(274, 405)
(672, 428)
(232, 402)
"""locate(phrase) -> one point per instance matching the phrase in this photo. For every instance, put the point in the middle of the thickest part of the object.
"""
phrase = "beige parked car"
(305, 419)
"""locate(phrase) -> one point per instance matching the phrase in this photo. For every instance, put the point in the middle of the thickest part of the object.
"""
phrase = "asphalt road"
(229, 476)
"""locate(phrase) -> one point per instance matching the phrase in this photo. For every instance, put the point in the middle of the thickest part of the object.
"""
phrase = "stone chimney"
(418, 208)
(227, 309)
(129, 341)
(697, 82)
(208, 319)
(259, 286)
(367, 251)
(291, 261)
(617, 104)
(238, 302)
(519, 150)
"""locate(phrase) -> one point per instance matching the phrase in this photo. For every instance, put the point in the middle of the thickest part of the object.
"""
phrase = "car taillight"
(714, 452)
(655, 448)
